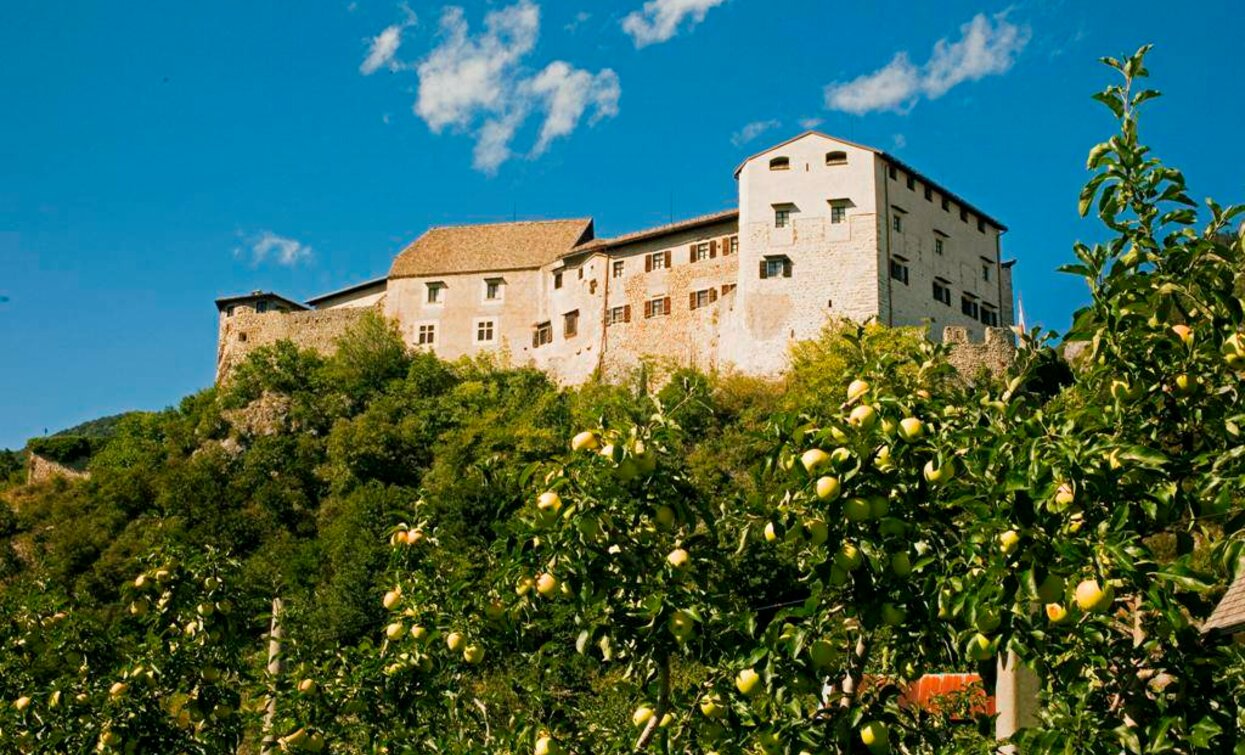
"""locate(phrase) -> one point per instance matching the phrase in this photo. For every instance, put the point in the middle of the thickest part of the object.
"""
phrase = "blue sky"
(154, 156)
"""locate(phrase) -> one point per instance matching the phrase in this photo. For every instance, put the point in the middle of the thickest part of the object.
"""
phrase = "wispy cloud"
(267, 246)
(382, 50)
(810, 123)
(752, 131)
(659, 20)
(478, 84)
(579, 20)
(899, 141)
(985, 48)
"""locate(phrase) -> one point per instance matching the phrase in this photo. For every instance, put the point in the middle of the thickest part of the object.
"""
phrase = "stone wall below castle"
(244, 332)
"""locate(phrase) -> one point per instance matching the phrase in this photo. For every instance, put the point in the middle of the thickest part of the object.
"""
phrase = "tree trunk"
(663, 705)
(274, 672)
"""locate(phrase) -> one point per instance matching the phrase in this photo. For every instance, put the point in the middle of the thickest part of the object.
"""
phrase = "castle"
(824, 228)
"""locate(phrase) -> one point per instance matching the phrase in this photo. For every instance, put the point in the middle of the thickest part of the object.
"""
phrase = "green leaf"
(1204, 732)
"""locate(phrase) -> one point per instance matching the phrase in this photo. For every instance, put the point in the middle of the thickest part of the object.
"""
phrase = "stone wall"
(992, 354)
(245, 331)
(40, 469)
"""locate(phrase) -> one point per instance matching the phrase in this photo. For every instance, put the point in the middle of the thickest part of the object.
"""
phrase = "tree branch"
(855, 672)
(663, 705)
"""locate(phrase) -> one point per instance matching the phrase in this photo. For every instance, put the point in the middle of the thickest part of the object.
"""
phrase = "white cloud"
(984, 48)
(383, 48)
(478, 84)
(810, 123)
(659, 20)
(899, 141)
(752, 131)
(279, 249)
(579, 20)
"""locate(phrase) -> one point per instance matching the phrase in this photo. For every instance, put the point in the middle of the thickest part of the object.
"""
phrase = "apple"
(118, 689)
(1064, 496)
(1121, 390)
(748, 682)
(205, 609)
(140, 582)
(856, 389)
(523, 586)
(296, 740)
(838, 576)
(549, 503)
(21, 703)
(221, 711)
(418, 633)
(546, 746)
(911, 428)
(863, 417)
(987, 620)
(1008, 541)
(771, 532)
(211, 583)
(414, 537)
(1184, 333)
(681, 625)
(937, 475)
(678, 558)
(1092, 598)
(163, 575)
(473, 654)
(876, 737)
(494, 609)
(590, 528)
(585, 441)
(392, 597)
(665, 517)
(848, 558)
(893, 615)
(1234, 345)
(818, 531)
(1056, 613)
(109, 739)
(822, 653)
(901, 564)
(813, 459)
(979, 648)
(879, 506)
(892, 527)
(642, 716)
(711, 706)
(882, 459)
(1182, 385)
(314, 743)
(395, 630)
(1051, 589)
(139, 607)
(307, 686)
(828, 488)
(840, 457)
(627, 470)
(547, 585)
(856, 509)
(837, 434)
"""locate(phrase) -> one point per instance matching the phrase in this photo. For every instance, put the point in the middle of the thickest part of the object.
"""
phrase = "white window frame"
(702, 251)
(658, 260)
(774, 267)
(478, 324)
(618, 268)
(501, 290)
(418, 331)
(434, 293)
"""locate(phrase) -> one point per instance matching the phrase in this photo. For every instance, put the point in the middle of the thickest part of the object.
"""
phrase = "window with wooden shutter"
(786, 268)
(764, 270)
(666, 304)
(691, 300)
(648, 309)
(713, 295)
(691, 253)
(667, 258)
(713, 248)
(627, 313)
(648, 263)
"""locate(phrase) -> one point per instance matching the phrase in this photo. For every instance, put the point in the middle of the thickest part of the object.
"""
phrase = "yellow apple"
(109, 739)
(1064, 496)
(937, 475)
(856, 389)
(1008, 541)
(848, 558)
(771, 532)
(678, 558)
(828, 488)
(307, 686)
(882, 459)
(547, 585)
(392, 597)
(856, 509)
(901, 564)
(863, 417)
(585, 441)
(414, 537)
(455, 641)
(314, 743)
(840, 457)
(711, 706)
(1182, 385)
(140, 582)
(911, 428)
(549, 503)
(814, 459)
(473, 654)
(546, 746)
(523, 586)
(748, 682)
(139, 607)
(418, 633)
(1184, 333)
(665, 517)
(681, 625)
(1092, 598)
(817, 530)
(21, 703)
(876, 737)
(1056, 613)
(979, 648)
(395, 630)
(642, 716)
(118, 689)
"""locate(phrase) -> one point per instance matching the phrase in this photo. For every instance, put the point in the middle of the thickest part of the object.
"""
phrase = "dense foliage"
(469, 559)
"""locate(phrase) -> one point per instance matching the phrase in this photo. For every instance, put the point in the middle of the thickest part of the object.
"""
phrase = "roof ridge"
(454, 226)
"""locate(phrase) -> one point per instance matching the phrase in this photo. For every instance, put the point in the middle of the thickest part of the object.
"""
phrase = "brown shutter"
(713, 294)
(648, 263)
(762, 269)
(626, 313)
(691, 253)
(666, 305)
(691, 300)
(667, 259)
(535, 338)
(713, 248)
(648, 309)
(786, 268)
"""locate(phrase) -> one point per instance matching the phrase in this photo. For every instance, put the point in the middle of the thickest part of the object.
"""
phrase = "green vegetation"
(473, 560)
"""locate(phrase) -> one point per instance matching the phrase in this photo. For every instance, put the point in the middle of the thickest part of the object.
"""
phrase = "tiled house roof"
(1229, 615)
(497, 246)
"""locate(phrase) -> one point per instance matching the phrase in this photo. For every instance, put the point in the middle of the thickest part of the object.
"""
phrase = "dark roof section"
(225, 301)
(1229, 616)
(889, 158)
(662, 230)
(348, 290)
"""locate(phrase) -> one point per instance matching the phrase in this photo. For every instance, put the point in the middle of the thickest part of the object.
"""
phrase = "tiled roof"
(662, 230)
(1229, 616)
(225, 301)
(497, 246)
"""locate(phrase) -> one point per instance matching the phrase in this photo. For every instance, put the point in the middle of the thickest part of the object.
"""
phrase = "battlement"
(993, 354)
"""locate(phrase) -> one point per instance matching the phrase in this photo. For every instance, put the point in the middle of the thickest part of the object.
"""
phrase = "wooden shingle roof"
(1229, 616)
(495, 246)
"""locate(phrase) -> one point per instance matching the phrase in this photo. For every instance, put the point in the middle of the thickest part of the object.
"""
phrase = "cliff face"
(40, 469)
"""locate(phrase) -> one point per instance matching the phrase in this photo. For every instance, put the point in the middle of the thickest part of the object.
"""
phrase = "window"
(434, 293)
(890, 171)
(492, 289)
(929, 193)
(659, 307)
(776, 267)
(942, 291)
(484, 331)
(619, 266)
(782, 216)
(242, 338)
(911, 182)
(542, 335)
(702, 298)
(985, 269)
(618, 314)
(968, 305)
(592, 286)
(939, 245)
(700, 251)
(261, 307)
(557, 279)
(838, 210)
(946, 204)
(989, 316)
(899, 270)
(656, 261)
(426, 335)
(570, 324)
(734, 245)
(836, 158)
(897, 222)
(780, 163)
(981, 225)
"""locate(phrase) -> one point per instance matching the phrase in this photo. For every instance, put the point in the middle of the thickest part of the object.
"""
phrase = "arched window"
(836, 158)
(780, 163)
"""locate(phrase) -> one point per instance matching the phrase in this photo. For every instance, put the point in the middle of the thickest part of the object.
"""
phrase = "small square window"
(570, 324)
(484, 331)
(426, 335)
(942, 292)
(963, 214)
(929, 193)
(939, 245)
(242, 338)
(981, 225)
(557, 279)
(892, 172)
(897, 222)
(616, 315)
(702, 298)
(985, 271)
(899, 271)
(911, 182)
(657, 261)
(434, 293)
(492, 289)
(968, 306)
(659, 307)
(734, 245)
(542, 335)
(838, 211)
(702, 252)
(782, 217)
(618, 267)
(946, 204)
(776, 267)
(989, 316)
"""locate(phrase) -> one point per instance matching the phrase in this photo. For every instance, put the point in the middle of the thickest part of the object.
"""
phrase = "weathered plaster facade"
(825, 229)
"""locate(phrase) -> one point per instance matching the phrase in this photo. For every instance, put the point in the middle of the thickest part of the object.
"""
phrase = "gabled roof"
(887, 157)
(662, 230)
(496, 246)
(1229, 616)
(374, 282)
(225, 301)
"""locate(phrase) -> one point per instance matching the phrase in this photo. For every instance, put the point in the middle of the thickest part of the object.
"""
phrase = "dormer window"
(780, 163)
(837, 157)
